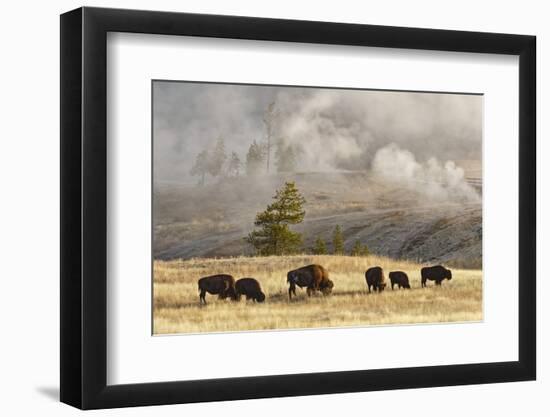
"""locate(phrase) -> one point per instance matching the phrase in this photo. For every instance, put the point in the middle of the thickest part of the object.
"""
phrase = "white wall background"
(29, 225)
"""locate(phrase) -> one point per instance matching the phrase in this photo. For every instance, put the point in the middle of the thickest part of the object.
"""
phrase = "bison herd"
(313, 278)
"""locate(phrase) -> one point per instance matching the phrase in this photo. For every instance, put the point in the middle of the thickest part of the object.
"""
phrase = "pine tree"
(217, 158)
(234, 167)
(254, 159)
(320, 247)
(337, 241)
(359, 249)
(285, 157)
(200, 168)
(274, 236)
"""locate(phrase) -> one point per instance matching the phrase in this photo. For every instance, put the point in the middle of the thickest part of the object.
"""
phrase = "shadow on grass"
(282, 297)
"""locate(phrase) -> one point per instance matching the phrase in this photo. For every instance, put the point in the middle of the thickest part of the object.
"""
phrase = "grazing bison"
(222, 284)
(375, 279)
(313, 277)
(400, 279)
(250, 288)
(435, 273)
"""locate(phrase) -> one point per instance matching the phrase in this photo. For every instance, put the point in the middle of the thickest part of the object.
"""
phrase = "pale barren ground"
(177, 308)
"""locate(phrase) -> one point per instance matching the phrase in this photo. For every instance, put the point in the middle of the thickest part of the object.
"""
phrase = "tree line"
(273, 235)
(215, 162)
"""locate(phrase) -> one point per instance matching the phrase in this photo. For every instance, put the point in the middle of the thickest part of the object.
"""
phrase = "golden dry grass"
(177, 308)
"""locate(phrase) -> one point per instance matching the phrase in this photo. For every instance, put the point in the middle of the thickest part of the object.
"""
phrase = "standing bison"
(250, 288)
(375, 279)
(400, 279)
(222, 284)
(435, 273)
(313, 277)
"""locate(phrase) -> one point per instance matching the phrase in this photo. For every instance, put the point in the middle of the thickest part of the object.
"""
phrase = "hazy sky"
(334, 129)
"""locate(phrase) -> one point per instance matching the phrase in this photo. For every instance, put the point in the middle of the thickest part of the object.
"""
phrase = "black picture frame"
(84, 207)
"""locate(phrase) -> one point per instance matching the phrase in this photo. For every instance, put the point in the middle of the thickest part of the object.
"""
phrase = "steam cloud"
(401, 136)
(433, 179)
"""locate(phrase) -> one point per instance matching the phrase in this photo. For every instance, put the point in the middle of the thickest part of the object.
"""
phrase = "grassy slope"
(392, 221)
(177, 309)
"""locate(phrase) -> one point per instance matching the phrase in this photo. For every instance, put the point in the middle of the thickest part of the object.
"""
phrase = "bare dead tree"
(269, 119)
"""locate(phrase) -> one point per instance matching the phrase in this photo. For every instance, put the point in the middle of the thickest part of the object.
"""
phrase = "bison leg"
(392, 284)
(423, 282)
(291, 290)
(202, 297)
(309, 291)
(368, 285)
(438, 282)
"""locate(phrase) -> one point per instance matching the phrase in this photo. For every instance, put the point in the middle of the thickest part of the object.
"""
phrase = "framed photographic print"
(258, 207)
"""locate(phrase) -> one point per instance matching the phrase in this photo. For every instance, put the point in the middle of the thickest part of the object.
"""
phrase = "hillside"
(402, 221)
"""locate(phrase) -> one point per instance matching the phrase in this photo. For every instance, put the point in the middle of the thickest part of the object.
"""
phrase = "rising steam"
(400, 136)
(433, 179)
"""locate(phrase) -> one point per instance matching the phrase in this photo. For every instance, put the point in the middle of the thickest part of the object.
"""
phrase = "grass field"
(177, 308)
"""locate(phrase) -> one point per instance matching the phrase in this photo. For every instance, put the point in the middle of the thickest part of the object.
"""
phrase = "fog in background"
(404, 136)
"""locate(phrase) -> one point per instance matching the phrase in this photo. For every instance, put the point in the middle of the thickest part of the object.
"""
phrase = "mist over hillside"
(391, 217)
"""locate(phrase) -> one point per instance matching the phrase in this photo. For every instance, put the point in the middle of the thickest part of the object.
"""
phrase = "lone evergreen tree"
(200, 168)
(254, 159)
(274, 236)
(320, 247)
(337, 241)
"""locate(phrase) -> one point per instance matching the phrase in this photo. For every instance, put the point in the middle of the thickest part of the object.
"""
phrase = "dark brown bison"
(435, 273)
(375, 278)
(313, 277)
(400, 279)
(222, 284)
(250, 288)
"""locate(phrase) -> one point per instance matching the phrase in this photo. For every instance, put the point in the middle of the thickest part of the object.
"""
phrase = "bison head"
(291, 277)
(260, 298)
(326, 287)
(381, 286)
(448, 274)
